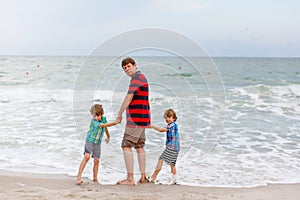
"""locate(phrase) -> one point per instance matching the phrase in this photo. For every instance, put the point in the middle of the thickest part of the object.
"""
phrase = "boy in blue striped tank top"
(170, 154)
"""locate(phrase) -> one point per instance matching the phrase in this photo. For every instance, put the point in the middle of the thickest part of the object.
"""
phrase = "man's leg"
(142, 163)
(128, 158)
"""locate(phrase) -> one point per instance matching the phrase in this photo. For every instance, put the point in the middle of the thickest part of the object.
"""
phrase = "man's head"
(129, 66)
(128, 60)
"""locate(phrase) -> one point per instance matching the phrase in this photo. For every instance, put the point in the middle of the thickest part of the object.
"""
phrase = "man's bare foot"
(143, 180)
(125, 182)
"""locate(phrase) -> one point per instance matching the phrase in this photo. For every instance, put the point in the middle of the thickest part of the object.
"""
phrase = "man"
(137, 107)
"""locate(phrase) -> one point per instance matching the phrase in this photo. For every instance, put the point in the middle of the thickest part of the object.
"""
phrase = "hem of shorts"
(136, 126)
(172, 149)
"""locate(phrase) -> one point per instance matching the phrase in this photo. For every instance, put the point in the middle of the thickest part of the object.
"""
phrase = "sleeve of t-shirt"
(135, 85)
(176, 131)
(169, 126)
(104, 121)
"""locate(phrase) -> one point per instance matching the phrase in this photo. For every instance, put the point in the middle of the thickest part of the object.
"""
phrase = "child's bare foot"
(95, 181)
(125, 182)
(79, 182)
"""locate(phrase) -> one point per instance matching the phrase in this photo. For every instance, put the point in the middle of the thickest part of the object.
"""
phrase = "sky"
(229, 28)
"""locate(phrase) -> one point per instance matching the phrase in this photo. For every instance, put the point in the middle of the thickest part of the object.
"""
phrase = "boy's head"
(170, 113)
(97, 110)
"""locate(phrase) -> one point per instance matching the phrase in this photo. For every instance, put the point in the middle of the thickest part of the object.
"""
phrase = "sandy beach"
(40, 186)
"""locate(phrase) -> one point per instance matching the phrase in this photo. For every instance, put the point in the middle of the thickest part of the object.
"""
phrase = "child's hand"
(107, 140)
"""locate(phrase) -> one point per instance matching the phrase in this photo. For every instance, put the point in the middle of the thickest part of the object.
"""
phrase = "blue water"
(44, 114)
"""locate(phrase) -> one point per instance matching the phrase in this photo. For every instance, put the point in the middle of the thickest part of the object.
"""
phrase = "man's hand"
(119, 119)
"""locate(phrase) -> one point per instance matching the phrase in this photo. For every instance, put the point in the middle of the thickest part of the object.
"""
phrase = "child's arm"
(105, 125)
(158, 128)
(108, 124)
(107, 139)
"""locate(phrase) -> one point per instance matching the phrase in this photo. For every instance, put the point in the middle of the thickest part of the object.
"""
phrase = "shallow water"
(43, 129)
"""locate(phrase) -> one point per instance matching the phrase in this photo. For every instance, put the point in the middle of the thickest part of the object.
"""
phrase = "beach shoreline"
(47, 186)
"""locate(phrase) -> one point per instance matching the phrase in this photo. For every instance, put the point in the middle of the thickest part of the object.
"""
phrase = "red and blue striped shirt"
(138, 111)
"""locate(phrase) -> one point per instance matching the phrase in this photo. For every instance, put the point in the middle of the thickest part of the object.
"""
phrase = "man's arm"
(124, 105)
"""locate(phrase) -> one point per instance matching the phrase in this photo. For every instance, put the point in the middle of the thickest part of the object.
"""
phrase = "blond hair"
(97, 110)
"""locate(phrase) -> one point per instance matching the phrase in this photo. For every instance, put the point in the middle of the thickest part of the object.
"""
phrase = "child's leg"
(173, 169)
(157, 169)
(174, 177)
(95, 169)
(82, 166)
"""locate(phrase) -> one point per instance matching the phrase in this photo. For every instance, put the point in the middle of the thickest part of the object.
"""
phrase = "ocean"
(238, 118)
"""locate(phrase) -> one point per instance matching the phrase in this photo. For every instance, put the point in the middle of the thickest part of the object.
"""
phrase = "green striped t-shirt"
(95, 134)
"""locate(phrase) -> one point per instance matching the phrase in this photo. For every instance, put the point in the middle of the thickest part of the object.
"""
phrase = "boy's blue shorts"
(93, 149)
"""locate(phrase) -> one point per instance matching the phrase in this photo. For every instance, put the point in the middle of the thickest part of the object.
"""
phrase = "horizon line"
(215, 56)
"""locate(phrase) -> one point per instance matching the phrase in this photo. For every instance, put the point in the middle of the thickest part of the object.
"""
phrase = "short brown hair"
(97, 110)
(128, 60)
(170, 113)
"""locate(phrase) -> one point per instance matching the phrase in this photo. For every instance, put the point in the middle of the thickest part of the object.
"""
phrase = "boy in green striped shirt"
(93, 141)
